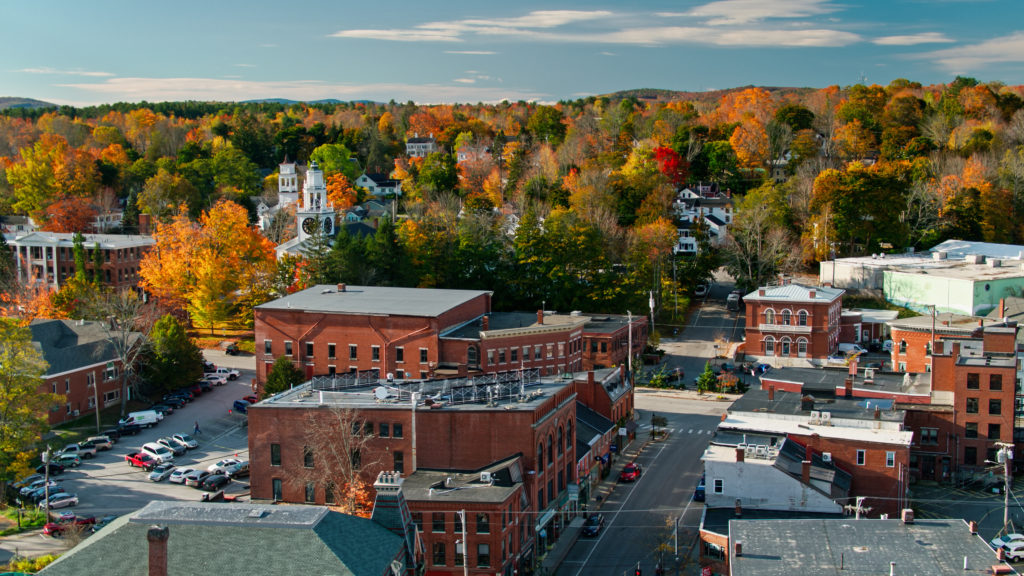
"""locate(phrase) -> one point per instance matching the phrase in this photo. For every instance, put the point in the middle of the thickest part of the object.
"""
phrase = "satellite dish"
(390, 377)
(380, 392)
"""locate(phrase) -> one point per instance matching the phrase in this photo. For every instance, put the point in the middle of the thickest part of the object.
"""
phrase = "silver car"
(179, 474)
(187, 440)
(161, 472)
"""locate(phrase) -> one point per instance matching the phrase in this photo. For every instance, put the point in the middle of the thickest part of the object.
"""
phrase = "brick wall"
(78, 395)
(822, 336)
(503, 535)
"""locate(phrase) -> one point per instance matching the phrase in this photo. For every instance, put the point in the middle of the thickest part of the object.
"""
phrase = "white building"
(380, 185)
(702, 203)
(315, 213)
(418, 147)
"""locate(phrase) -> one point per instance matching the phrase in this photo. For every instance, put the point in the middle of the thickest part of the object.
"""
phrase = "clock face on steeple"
(328, 226)
(309, 225)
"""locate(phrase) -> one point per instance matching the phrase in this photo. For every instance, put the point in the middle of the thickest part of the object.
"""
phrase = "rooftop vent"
(940, 255)
(975, 258)
(995, 263)
(258, 513)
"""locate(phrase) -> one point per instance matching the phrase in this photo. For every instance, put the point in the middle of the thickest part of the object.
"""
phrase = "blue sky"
(79, 53)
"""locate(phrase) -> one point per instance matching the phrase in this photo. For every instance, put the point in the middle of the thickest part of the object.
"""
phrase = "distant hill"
(656, 94)
(287, 101)
(15, 102)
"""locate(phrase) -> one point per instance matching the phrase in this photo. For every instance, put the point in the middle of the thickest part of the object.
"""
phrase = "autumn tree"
(23, 406)
(340, 192)
(758, 245)
(164, 193)
(337, 442)
(69, 214)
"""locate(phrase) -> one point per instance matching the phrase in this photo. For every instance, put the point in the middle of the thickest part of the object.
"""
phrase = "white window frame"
(718, 486)
(890, 459)
(769, 346)
(862, 457)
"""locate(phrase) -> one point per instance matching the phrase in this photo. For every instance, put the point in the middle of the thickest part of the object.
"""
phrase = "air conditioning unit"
(485, 477)
(74, 413)
(826, 456)
(815, 416)
(826, 418)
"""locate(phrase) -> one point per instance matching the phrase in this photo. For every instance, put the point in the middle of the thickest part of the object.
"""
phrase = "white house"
(418, 147)
(702, 203)
(379, 185)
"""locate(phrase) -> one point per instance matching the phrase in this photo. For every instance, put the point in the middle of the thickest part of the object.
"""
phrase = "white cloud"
(729, 12)
(471, 52)
(76, 72)
(969, 58)
(606, 53)
(226, 89)
(912, 39)
(465, 80)
(823, 38)
(456, 30)
(246, 65)
(400, 35)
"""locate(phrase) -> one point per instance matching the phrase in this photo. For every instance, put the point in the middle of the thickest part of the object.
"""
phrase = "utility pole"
(46, 481)
(415, 400)
(629, 355)
(1006, 456)
(465, 545)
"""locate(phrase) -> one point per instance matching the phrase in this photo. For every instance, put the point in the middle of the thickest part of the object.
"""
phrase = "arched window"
(786, 343)
(568, 436)
(769, 316)
(903, 346)
(801, 347)
(540, 456)
(769, 346)
(785, 317)
(551, 450)
(472, 356)
(802, 318)
(560, 440)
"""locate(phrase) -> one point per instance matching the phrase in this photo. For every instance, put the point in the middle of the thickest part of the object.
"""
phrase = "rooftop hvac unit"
(995, 263)
(826, 418)
(485, 477)
(826, 456)
(940, 255)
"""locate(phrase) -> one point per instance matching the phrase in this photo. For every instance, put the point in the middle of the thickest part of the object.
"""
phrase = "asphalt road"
(639, 517)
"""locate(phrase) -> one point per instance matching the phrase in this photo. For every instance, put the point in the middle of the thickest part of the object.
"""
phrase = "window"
(769, 346)
(972, 405)
(903, 346)
(801, 318)
(604, 347)
(353, 352)
(275, 454)
(437, 522)
(332, 369)
(375, 353)
(368, 429)
(536, 352)
(540, 499)
(440, 558)
(483, 555)
(400, 374)
(561, 349)
(310, 492)
(398, 461)
(559, 440)
(501, 356)
(111, 396)
(384, 430)
(561, 481)
(472, 356)
(551, 452)
(540, 456)
(551, 350)
(993, 431)
(417, 519)
(460, 557)
(801, 347)
(973, 381)
(309, 349)
(267, 346)
(995, 406)
(356, 458)
(568, 435)
(399, 354)
(718, 486)
(67, 385)
(514, 355)
(396, 430)
(330, 351)
(785, 317)
(287, 348)
(111, 373)
(424, 355)
(971, 430)
(861, 457)
(276, 487)
(890, 459)
(329, 496)
(995, 381)
(490, 357)
(929, 436)
(769, 316)
(970, 455)
(483, 524)
(307, 456)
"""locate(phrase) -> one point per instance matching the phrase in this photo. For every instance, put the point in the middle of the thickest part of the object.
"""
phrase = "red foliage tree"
(672, 165)
(69, 214)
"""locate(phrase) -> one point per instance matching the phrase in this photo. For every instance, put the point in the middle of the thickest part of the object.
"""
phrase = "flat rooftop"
(946, 323)
(830, 381)
(738, 423)
(927, 264)
(374, 300)
(499, 321)
(717, 519)
(65, 239)
(840, 546)
(756, 400)
(454, 486)
(229, 514)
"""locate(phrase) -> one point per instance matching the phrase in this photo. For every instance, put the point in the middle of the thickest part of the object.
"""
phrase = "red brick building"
(83, 367)
(912, 337)
(792, 323)
(48, 257)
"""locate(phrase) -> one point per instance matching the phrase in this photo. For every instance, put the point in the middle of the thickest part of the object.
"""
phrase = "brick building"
(792, 324)
(912, 337)
(414, 333)
(83, 366)
(48, 257)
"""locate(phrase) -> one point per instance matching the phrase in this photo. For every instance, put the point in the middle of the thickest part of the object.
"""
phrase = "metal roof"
(374, 300)
(796, 292)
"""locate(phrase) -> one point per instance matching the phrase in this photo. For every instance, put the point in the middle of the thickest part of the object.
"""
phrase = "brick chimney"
(813, 292)
(805, 471)
(907, 515)
(1002, 308)
(739, 548)
(878, 413)
(973, 527)
(771, 392)
(157, 537)
(739, 453)
(485, 323)
(760, 291)
(590, 378)
(848, 387)
(540, 316)
(391, 511)
(739, 508)
(342, 287)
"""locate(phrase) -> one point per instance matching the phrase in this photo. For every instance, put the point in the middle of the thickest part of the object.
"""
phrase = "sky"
(100, 51)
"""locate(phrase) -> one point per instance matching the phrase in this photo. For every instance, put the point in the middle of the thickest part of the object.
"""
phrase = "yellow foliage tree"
(750, 142)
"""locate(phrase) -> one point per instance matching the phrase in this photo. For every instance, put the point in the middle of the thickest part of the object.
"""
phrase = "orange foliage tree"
(340, 192)
(68, 215)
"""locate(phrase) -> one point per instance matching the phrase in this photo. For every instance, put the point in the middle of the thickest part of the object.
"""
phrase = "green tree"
(232, 169)
(546, 124)
(758, 245)
(23, 407)
(334, 159)
(283, 376)
(707, 381)
(97, 264)
(164, 192)
(439, 173)
(173, 359)
(316, 251)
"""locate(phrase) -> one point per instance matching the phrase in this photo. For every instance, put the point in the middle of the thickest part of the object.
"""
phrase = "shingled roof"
(71, 344)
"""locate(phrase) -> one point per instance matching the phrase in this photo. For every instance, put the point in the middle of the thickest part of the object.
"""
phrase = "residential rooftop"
(69, 345)
(839, 546)
(374, 300)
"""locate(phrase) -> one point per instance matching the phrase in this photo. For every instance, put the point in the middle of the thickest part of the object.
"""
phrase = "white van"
(144, 418)
(159, 452)
(850, 349)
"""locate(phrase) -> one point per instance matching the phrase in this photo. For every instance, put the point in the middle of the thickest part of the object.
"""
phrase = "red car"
(631, 473)
(56, 529)
(251, 399)
(140, 460)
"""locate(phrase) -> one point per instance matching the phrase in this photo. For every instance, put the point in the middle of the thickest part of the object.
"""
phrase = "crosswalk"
(683, 430)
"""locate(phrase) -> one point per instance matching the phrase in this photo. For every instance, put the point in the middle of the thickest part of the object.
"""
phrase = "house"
(48, 257)
(179, 537)
(782, 547)
(706, 206)
(84, 366)
(355, 214)
(472, 153)
(380, 185)
(17, 225)
(792, 324)
(420, 147)
(912, 337)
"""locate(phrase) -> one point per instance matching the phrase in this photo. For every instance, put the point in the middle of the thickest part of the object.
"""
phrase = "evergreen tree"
(174, 359)
(97, 264)
(283, 376)
(78, 249)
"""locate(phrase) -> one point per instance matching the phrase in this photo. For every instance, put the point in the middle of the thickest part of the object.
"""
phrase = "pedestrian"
(197, 432)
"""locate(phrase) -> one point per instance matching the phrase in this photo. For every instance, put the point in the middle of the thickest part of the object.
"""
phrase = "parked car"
(27, 480)
(239, 470)
(61, 500)
(214, 482)
(251, 399)
(57, 529)
(104, 521)
(144, 418)
(205, 386)
(700, 290)
(1014, 551)
(68, 461)
(162, 409)
(55, 468)
(214, 380)
(84, 450)
(178, 476)
(113, 433)
(195, 478)
(195, 389)
(593, 525)
(185, 393)
(240, 406)
(158, 452)
(176, 402)
(28, 489)
(209, 366)
(997, 543)
(129, 429)
(222, 465)
(161, 472)
(40, 493)
(177, 447)
(231, 349)
(225, 372)
(102, 442)
(631, 473)
(187, 440)
(700, 493)
(874, 365)
(141, 460)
